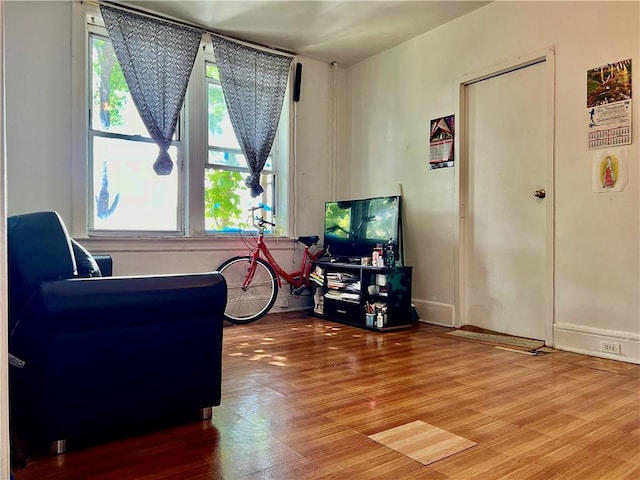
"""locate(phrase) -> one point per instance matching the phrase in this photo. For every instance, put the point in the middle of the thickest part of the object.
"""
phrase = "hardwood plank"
(422, 442)
(301, 396)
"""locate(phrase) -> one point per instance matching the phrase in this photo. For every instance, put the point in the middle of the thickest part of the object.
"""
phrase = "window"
(227, 199)
(126, 194)
(206, 192)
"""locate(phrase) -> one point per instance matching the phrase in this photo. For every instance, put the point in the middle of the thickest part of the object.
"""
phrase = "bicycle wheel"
(248, 304)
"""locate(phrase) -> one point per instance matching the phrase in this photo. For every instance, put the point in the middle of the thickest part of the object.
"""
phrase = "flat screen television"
(353, 228)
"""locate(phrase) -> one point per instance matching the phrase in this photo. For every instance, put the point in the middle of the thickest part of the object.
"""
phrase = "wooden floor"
(301, 396)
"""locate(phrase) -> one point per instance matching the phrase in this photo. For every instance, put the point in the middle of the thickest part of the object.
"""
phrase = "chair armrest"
(105, 263)
(82, 304)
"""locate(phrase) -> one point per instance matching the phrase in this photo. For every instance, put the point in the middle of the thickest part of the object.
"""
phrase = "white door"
(505, 228)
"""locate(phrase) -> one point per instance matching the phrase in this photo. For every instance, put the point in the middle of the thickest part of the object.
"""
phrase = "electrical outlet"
(284, 303)
(610, 347)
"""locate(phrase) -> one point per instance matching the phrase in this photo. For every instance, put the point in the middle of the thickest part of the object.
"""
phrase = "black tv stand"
(348, 260)
(340, 260)
(345, 293)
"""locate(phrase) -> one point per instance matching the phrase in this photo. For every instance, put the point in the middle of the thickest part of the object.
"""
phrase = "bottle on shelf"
(390, 257)
(375, 255)
(377, 259)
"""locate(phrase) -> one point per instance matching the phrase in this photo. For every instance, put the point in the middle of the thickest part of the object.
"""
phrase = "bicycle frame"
(254, 279)
(296, 279)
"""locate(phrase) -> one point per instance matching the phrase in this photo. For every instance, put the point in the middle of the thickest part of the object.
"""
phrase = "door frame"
(5, 452)
(547, 56)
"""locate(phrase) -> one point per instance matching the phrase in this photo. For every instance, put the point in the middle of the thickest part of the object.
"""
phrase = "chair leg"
(206, 413)
(58, 447)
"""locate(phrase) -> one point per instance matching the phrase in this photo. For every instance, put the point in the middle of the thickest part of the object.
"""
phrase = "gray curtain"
(156, 58)
(254, 83)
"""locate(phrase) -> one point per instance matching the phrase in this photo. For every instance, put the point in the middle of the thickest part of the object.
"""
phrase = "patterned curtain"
(254, 83)
(156, 58)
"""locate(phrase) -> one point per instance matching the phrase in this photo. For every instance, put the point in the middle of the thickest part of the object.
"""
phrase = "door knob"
(540, 193)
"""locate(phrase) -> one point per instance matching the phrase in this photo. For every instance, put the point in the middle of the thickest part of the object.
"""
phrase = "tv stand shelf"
(343, 293)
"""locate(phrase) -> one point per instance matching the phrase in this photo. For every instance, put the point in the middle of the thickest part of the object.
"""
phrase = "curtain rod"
(183, 23)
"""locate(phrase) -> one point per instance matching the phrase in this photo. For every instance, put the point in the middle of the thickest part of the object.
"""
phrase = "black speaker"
(296, 82)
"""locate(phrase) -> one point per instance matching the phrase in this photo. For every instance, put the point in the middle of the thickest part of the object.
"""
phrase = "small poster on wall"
(609, 171)
(609, 105)
(441, 142)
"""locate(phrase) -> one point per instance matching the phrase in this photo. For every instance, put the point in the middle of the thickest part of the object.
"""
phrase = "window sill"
(175, 244)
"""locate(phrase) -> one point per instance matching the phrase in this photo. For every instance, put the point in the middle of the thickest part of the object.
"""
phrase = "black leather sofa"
(105, 356)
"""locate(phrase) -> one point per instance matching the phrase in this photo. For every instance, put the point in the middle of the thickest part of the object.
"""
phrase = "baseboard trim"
(435, 313)
(587, 341)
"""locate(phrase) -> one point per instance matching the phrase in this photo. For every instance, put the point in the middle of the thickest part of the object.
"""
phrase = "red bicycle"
(253, 280)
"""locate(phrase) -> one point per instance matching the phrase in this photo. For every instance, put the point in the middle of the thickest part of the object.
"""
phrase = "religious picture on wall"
(609, 105)
(441, 142)
(609, 171)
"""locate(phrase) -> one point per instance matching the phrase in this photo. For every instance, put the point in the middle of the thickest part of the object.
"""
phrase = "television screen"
(353, 228)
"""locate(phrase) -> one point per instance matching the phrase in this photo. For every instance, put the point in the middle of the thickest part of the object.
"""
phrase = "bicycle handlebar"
(261, 221)
(260, 206)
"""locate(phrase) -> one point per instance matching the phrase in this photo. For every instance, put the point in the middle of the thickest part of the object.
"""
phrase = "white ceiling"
(345, 31)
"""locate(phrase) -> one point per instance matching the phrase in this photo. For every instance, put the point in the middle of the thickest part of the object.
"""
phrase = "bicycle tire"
(246, 305)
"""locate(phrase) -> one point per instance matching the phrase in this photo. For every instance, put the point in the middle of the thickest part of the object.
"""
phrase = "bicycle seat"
(310, 240)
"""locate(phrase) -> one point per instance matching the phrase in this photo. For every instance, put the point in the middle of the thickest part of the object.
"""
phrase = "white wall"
(39, 144)
(38, 103)
(314, 147)
(393, 97)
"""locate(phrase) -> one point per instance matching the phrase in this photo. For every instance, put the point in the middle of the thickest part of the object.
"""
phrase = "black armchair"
(105, 355)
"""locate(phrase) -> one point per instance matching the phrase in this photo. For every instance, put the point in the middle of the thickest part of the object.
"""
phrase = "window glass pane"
(112, 109)
(228, 200)
(221, 132)
(227, 159)
(212, 71)
(233, 159)
(127, 193)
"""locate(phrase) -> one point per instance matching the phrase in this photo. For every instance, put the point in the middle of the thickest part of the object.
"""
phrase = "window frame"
(209, 59)
(96, 29)
(191, 141)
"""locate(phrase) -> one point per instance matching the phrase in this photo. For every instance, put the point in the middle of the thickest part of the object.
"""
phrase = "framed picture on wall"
(441, 142)
(609, 105)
